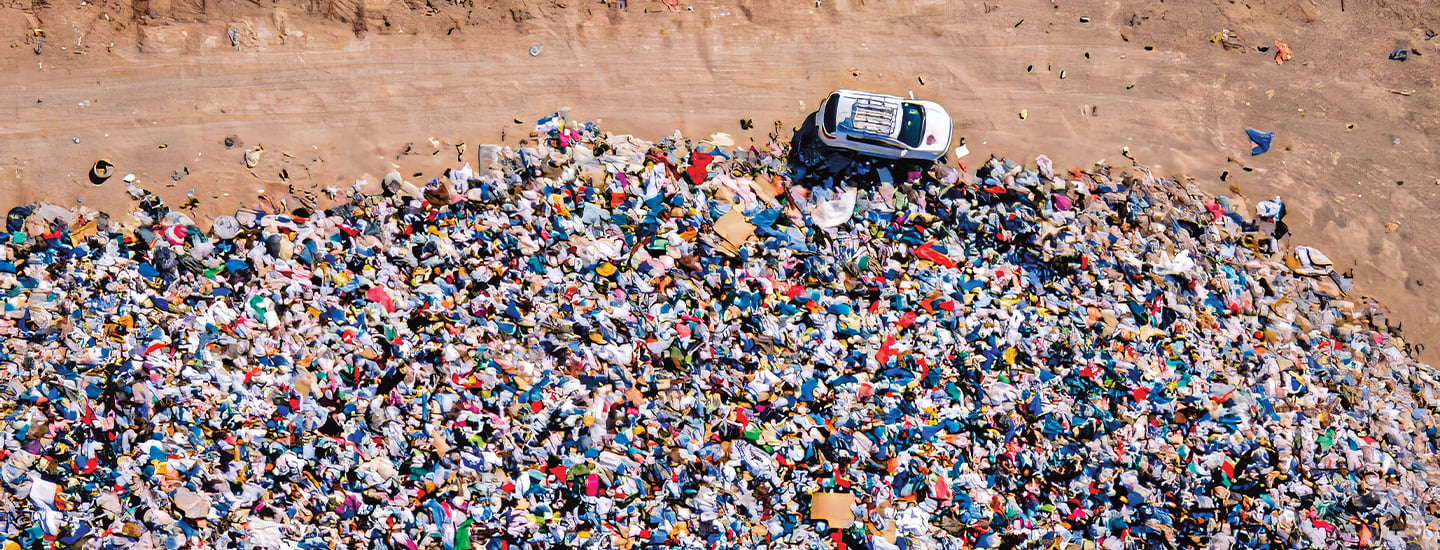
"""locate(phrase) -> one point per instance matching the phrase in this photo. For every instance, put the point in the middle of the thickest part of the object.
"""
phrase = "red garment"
(928, 252)
(657, 157)
(908, 319)
(558, 472)
(1140, 394)
(942, 490)
(699, 166)
(885, 353)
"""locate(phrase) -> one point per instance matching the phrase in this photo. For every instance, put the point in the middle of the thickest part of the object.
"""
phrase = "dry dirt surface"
(335, 90)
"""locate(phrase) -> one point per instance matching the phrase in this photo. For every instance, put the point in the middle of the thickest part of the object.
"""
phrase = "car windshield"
(912, 125)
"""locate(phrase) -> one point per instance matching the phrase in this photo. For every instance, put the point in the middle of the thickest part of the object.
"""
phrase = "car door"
(874, 146)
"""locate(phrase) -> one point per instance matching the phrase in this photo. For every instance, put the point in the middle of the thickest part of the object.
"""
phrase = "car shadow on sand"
(811, 162)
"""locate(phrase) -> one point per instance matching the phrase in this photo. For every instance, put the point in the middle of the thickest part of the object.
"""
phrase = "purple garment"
(1062, 203)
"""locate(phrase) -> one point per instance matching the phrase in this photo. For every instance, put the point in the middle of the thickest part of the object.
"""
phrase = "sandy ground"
(335, 90)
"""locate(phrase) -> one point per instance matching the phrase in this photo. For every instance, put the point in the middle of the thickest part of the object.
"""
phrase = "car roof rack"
(874, 115)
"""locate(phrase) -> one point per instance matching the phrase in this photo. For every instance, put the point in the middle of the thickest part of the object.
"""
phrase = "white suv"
(884, 126)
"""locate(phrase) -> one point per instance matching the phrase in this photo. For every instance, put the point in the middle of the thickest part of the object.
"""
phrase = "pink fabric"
(378, 294)
(1215, 210)
(592, 485)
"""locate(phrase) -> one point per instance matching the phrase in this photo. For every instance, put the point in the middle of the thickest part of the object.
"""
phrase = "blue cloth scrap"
(765, 218)
(1262, 140)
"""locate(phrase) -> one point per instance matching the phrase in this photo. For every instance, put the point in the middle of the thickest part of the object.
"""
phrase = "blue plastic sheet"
(1260, 139)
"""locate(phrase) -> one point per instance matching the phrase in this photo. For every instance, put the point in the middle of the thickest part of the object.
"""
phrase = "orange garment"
(1283, 52)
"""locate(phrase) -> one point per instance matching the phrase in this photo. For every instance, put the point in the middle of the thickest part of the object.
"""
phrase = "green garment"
(462, 535)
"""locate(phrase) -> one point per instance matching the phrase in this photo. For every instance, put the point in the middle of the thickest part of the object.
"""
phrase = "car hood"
(937, 127)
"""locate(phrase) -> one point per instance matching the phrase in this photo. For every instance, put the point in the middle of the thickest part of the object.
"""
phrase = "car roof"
(869, 113)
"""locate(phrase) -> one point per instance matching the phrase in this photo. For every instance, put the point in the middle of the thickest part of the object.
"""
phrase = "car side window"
(869, 141)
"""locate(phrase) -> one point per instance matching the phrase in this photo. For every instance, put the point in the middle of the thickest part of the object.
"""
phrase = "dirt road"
(1355, 132)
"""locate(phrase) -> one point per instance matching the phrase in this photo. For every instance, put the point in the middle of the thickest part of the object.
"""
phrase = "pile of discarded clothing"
(595, 341)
